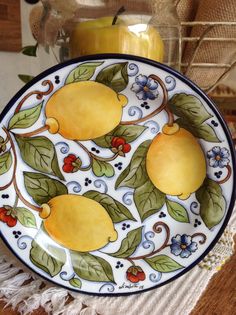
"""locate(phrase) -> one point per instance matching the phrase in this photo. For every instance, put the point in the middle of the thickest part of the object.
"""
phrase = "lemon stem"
(13, 180)
(39, 94)
(170, 117)
(119, 12)
(169, 113)
(33, 133)
(164, 106)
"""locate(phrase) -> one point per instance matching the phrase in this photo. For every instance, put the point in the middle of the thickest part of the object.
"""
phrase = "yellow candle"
(100, 36)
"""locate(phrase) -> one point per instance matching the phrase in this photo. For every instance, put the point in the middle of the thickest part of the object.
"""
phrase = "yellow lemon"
(175, 162)
(78, 223)
(84, 110)
(100, 36)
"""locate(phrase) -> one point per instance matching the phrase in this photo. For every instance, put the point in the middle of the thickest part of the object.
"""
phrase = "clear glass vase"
(149, 29)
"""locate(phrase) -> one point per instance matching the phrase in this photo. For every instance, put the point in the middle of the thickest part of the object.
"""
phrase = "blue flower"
(218, 157)
(182, 245)
(145, 88)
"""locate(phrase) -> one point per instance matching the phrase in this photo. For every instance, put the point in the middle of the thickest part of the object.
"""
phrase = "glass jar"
(149, 29)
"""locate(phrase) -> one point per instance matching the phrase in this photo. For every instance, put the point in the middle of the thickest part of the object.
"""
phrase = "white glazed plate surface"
(137, 236)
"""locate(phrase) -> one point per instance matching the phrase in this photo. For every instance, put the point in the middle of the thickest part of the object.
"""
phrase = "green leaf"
(25, 217)
(75, 282)
(163, 263)
(25, 118)
(39, 153)
(148, 200)
(30, 50)
(83, 72)
(177, 211)
(91, 267)
(55, 167)
(189, 108)
(116, 210)
(128, 132)
(192, 115)
(25, 77)
(45, 255)
(43, 188)
(212, 203)
(115, 76)
(135, 175)
(205, 132)
(101, 168)
(2, 145)
(129, 244)
(5, 162)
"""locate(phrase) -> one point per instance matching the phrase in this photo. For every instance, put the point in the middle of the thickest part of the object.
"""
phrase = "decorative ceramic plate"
(117, 175)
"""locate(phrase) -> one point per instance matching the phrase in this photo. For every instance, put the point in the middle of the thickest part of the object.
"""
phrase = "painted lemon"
(84, 110)
(78, 223)
(175, 162)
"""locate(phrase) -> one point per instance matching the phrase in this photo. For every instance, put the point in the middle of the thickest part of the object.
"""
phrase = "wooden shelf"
(10, 26)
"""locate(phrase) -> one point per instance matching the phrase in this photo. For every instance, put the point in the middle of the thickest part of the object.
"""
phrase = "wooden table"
(218, 299)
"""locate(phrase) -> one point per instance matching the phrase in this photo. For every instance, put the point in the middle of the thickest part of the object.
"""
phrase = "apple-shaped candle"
(104, 36)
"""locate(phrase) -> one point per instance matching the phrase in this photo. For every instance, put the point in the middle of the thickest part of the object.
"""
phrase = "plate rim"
(195, 88)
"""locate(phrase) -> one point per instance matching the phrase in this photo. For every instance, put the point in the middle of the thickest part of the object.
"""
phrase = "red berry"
(3, 210)
(132, 278)
(126, 148)
(7, 218)
(69, 164)
(135, 274)
(11, 221)
(141, 276)
(113, 142)
(120, 141)
(68, 168)
(70, 159)
(3, 215)
(120, 144)
(117, 141)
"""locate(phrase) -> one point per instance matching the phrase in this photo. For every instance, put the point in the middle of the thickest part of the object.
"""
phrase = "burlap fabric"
(210, 52)
(187, 9)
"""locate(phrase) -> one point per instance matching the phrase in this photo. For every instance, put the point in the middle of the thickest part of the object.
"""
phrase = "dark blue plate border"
(195, 88)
